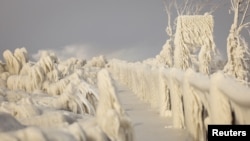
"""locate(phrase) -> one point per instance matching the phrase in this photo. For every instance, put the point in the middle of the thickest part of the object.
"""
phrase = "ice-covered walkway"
(148, 125)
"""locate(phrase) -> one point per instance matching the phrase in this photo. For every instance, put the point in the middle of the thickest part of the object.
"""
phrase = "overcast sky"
(125, 29)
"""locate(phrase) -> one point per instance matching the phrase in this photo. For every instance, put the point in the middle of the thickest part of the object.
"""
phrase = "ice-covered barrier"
(194, 100)
(111, 117)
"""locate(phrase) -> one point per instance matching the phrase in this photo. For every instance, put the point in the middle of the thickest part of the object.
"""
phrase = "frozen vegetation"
(71, 100)
(75, 100)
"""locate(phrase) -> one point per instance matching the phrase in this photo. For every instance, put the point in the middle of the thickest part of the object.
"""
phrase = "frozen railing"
(192, 99)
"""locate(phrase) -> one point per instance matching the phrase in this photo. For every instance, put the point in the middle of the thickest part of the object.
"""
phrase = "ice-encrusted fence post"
(164, 85)
(175, 79)
(155, 92)
(239, 98)
(220, 109)
(195, 87)
(230, 101)
(111, 117)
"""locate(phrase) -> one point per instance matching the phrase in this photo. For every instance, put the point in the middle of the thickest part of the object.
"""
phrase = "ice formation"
(237, 48)
(110, 115)
(165, 56)
(194, 32)
(59, 100)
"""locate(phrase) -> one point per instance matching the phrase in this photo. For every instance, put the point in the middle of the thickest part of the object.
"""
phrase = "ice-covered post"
(193, 105)
(220, 108)
(176, 92)
(237, 50)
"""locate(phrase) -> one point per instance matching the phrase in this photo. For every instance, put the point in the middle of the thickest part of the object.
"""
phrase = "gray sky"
(126, 29)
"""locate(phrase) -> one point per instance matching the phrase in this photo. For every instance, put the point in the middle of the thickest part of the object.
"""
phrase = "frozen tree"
(237, 48)
(165, 56)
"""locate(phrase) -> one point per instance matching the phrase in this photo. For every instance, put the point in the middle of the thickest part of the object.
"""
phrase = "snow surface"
(147, 123)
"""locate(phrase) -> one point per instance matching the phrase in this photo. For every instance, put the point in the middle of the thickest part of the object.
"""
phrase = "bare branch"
(168, 12)
(243, 26)
(199, 6)
(214, 7)
(195, 7)
(185, 7)
(177, 7)
(233, 4)
(245, 11)
(246, 24)
(235, 8)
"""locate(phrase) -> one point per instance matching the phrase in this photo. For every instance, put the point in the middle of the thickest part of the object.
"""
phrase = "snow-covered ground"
(147, 123)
